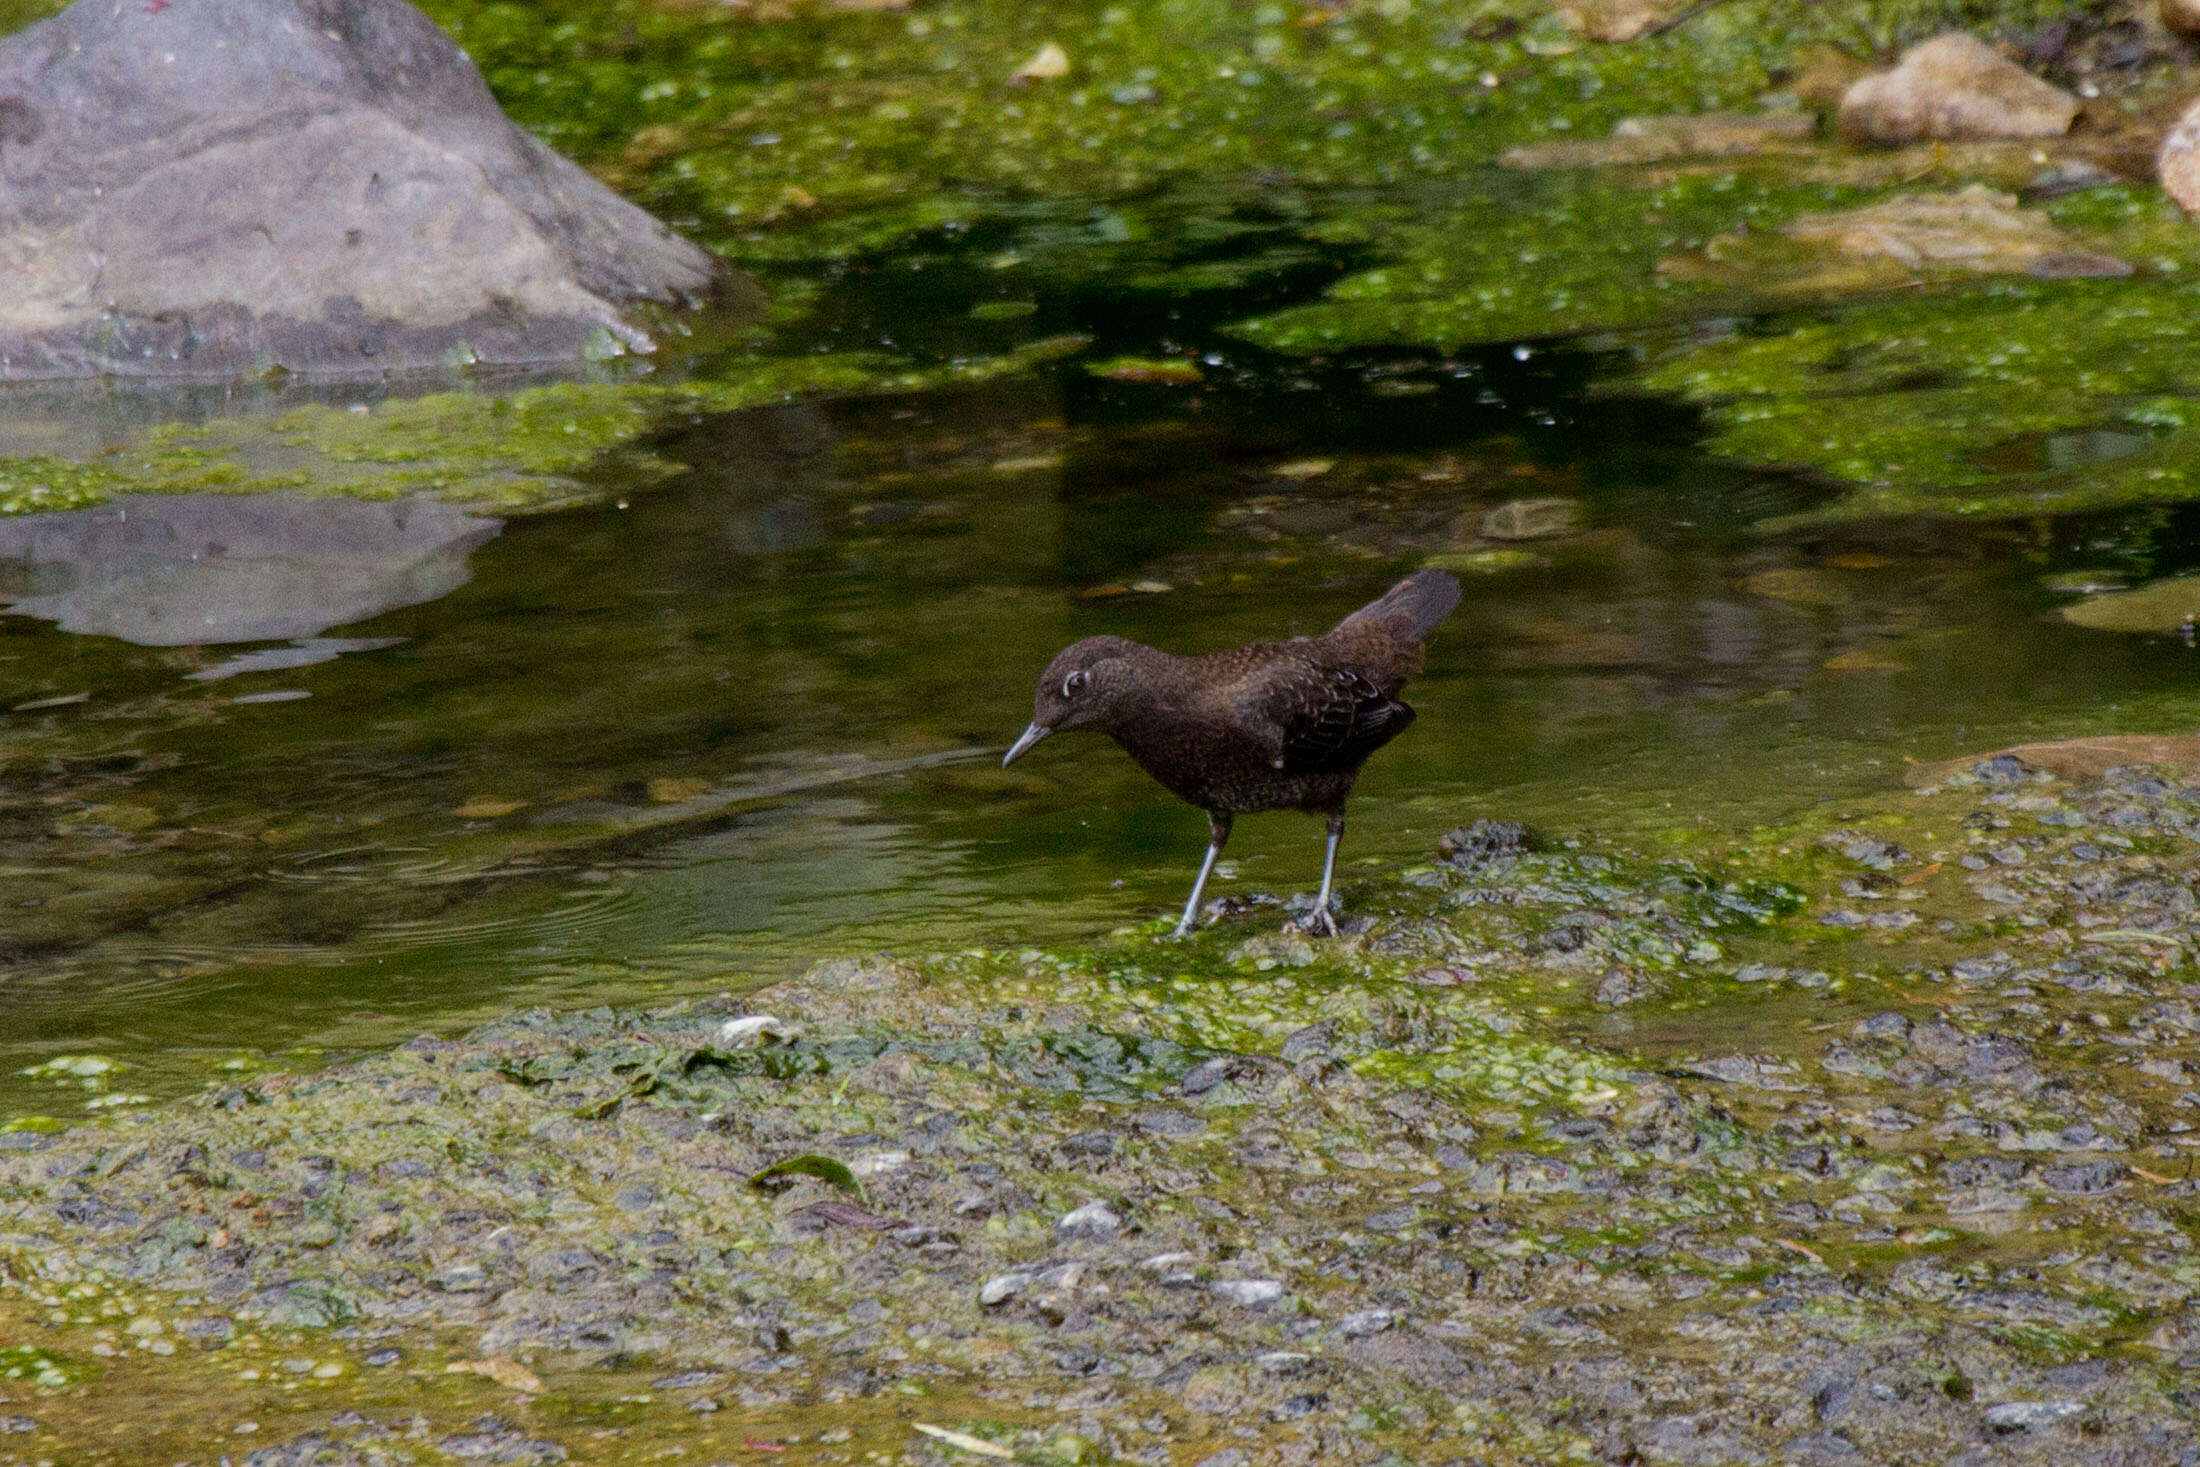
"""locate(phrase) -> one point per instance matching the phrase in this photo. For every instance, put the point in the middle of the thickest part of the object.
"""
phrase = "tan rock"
(1654, 139)
(1977, 229)
(2178, 164)
(1954, 87)
(1616, 20)
(2181, 17)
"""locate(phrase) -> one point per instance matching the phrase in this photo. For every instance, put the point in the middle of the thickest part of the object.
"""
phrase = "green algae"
(792, 134)
(1538, 256)
(41, 1368)
(504, 452)
(1277, 1124)
(815, 134)
(836, 132)
(1995, 398)
(1973, 403)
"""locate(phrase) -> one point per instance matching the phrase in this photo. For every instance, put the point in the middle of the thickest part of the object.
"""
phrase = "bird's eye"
(1072, 684)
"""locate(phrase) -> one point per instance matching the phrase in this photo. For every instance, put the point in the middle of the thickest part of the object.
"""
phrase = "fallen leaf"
(963, 1439)
(508, 1373)
(2140, 1171)
(849, 1215)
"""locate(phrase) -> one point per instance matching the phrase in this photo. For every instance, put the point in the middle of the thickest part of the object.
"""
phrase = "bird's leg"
(1329, 872)
(1218, 831)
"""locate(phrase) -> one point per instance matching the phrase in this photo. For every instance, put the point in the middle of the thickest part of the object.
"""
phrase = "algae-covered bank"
(1863, 1138)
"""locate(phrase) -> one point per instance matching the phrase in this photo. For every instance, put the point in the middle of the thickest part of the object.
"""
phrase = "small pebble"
(1095, 1222)
(1363, 1322)
(1249, 1293)
(1001, 1288)
(2030, 1415)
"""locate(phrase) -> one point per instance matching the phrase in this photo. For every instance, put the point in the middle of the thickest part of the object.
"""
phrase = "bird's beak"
(1031, 736)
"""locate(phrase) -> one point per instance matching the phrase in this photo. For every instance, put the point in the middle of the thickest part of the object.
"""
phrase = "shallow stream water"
(288, 774)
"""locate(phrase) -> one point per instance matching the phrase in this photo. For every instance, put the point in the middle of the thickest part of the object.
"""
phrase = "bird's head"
(1085, 686)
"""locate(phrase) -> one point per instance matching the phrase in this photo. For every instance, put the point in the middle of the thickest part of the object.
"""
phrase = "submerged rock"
(2085, 758)
(2170, 605)
(1532, 519)
(1954, 87)
(211, 187)
(1976, 229)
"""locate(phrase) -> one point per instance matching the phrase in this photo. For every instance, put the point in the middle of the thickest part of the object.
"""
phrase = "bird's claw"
(1321, 922)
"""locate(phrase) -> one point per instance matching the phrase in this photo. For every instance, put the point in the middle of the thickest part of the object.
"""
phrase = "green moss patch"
(2004, 399)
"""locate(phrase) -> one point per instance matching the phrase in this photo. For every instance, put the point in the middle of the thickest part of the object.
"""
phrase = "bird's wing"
(1329, 718)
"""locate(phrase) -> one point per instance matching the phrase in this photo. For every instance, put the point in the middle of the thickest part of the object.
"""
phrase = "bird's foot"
(1315, 922)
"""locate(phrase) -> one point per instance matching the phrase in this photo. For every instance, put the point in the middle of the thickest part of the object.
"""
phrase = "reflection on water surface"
(717, 728)
(176, 570)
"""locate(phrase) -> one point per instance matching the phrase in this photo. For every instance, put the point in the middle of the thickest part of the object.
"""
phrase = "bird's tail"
(1413, 607)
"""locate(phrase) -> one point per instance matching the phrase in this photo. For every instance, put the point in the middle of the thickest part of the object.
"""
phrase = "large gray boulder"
(208, 187)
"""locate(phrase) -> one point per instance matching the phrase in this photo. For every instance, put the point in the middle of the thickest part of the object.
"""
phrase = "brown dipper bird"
(1271, 726)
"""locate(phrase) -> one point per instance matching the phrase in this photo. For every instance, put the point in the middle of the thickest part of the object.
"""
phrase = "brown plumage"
(1270, 726)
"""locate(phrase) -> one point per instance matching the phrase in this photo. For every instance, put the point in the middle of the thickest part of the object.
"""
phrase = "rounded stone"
(1095, 1222)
